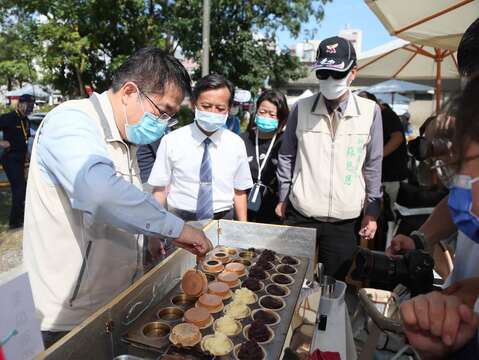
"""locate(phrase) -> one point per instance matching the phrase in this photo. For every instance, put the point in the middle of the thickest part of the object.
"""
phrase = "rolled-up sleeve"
(373, 166)
(287, 156)
(72, 154)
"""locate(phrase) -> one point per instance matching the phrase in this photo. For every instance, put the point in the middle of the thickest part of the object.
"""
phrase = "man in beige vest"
(85, 208)
(329, 163)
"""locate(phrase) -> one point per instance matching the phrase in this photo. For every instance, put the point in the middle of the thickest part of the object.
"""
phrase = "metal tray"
(273, 348)
(102, 335)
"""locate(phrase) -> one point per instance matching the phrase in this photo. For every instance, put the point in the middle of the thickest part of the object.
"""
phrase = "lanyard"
(24, 127)
(262, 165)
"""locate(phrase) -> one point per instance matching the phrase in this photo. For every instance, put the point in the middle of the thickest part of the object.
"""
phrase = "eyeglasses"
(325, 74)
(163, 116)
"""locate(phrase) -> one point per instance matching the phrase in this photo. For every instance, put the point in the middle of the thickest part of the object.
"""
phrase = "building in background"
(305, 51)
(355, 36)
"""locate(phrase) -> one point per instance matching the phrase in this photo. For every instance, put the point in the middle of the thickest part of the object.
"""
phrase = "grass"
(10, 241)
(4, 209)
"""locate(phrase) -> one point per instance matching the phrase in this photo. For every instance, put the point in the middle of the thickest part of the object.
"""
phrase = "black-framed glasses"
(163, 116)
(325, 74)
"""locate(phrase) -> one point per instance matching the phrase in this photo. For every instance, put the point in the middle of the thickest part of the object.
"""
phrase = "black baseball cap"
(26, 98)
(336, 54)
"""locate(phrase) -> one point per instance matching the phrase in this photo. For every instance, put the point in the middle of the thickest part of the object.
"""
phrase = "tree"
(17, 54)
(242, 36)
(83, 42)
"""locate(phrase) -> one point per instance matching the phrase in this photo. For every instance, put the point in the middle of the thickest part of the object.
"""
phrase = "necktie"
(204, 205)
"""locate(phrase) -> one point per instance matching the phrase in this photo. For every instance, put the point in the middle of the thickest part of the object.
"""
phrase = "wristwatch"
(420, 241)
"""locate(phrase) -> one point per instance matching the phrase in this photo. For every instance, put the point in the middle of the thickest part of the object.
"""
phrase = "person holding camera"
(450, 215)
(329, 163)
(262, 143)
(457, 212)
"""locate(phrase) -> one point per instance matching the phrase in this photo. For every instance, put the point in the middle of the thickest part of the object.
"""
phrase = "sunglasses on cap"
(325, 74)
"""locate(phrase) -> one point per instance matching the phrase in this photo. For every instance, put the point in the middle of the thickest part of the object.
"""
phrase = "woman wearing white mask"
(262, 140)
(201, 171)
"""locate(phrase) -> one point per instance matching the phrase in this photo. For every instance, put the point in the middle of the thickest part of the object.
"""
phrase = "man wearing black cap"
(16, 131)
(329, 168)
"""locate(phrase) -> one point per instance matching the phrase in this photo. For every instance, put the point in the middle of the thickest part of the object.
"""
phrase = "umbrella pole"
(437, 91)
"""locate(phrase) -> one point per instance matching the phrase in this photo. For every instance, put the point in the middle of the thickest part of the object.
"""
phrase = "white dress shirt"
(178, 163)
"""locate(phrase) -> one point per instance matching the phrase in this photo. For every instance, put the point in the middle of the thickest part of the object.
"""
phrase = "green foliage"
(76, 43)
(184, 116)
(83, 41)
(242, 36)
(16, 54)
(43, 108)
(6, 109)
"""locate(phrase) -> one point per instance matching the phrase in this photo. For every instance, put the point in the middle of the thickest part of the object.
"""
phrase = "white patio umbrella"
(403, 60)
(434, 28)
(435, 23)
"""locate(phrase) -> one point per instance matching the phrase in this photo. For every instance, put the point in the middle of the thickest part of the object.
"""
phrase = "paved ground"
(10, 241)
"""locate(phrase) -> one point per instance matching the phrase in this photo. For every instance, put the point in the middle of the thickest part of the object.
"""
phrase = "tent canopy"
(400, 59)
(392, 99)
(29, 89)
(435, 23)
(398, 86)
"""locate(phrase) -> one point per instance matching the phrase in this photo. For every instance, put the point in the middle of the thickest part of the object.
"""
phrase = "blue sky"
(338, 15)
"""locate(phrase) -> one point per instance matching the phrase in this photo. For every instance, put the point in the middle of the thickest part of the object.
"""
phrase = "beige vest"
(328, 182)
(74, 266)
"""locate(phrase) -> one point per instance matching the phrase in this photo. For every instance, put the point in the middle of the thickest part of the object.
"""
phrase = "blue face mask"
(460, 205)
(265, 124)
(147, 130)
(210, 121)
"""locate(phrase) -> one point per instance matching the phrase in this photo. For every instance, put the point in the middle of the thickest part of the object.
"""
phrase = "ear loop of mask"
(473, 181)
(142, 105)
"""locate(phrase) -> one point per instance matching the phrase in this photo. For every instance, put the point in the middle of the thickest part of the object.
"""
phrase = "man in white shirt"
(201, 170)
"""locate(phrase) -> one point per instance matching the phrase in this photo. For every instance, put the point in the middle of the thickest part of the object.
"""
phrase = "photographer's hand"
(400, 243)
(437, 324)
(466, 290)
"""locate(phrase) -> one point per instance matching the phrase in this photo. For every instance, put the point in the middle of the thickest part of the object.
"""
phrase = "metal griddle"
(274, 348)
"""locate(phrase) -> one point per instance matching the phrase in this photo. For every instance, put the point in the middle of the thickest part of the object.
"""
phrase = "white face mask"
(332, 88)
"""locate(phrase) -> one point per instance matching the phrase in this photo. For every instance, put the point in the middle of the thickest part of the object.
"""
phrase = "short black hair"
(277, 98)
(152, 70)
(468, 50)
(368, 95)
(213, 82)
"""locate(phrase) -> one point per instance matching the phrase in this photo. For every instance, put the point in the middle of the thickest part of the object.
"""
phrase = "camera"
(414, 270)
(422, 149)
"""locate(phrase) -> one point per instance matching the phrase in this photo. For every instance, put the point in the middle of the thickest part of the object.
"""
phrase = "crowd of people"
(322, 164)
